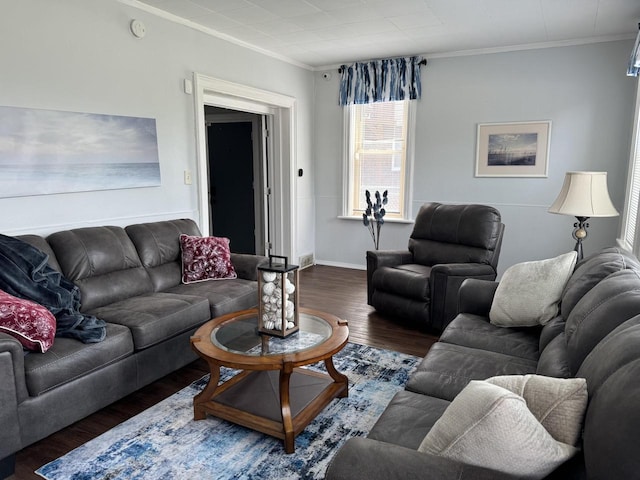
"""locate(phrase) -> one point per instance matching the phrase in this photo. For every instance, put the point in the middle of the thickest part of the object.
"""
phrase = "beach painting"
(48, 152)
(516, 149)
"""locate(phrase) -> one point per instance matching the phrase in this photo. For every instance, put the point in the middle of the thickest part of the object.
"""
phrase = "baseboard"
(329, 263)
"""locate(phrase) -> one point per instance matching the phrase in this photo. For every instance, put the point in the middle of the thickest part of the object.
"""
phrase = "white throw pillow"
(529, 293)
(490, 426)
(558, 404)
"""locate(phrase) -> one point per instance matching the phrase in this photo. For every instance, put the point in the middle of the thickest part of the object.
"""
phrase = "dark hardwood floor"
(340, 291)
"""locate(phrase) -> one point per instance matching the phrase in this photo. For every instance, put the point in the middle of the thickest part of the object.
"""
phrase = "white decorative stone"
(277, 292)
(289, 314)
(269, 276)
(268, 288)
(265, 298)
(278, 324)
(269, 325)
(273, 299)
(289, 287)
(290, 325)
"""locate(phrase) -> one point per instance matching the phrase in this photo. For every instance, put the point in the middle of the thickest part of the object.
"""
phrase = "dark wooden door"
(231, 184)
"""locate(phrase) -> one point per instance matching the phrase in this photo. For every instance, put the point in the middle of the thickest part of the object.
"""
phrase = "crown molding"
(210, 31)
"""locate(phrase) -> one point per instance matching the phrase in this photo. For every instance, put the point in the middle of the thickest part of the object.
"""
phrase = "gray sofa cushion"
(41, 244)
(612, 423)
(448, 368)
(158, 245)
(407, 419)
(615, 350)
(550, 331)
(156, 317)
(225, 296)
(611, 302)
(590, 271)
(476, 331)
(554, 359)
(69, 359)
(103, 262)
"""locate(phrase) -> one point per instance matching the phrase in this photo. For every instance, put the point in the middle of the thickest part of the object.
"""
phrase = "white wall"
(78, 55)
(583, 90)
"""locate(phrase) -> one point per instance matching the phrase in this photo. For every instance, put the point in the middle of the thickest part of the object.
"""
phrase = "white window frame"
(633, 189)
(347, 177)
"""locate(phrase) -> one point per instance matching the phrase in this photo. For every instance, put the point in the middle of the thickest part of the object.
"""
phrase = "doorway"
(238, 184)
(278, 113)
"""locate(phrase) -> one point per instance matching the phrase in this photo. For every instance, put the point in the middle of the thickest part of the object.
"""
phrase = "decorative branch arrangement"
(375, 214)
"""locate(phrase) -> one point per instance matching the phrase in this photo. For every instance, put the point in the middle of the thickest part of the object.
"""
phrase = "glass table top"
(241, 336)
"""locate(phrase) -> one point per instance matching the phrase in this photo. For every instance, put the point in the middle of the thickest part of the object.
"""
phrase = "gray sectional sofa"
(131, 278)
(596, 336)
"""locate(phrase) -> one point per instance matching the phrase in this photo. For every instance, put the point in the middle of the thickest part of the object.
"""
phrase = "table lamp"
(583, 195)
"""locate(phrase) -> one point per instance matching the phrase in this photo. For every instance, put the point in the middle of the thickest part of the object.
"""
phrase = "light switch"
(187, 177)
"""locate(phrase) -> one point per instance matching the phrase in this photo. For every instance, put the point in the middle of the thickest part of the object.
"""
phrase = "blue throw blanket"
(25, 273)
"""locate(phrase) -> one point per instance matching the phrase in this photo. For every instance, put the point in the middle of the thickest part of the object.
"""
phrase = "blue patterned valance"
(385, 80)
(634, 61)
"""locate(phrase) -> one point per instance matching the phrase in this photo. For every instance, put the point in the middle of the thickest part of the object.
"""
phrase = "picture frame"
(513, 149)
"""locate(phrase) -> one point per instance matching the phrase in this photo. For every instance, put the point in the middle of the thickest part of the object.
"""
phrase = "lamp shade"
(584, 194)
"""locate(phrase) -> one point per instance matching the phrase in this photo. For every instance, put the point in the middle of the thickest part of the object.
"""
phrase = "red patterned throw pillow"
(30, 323)
(205, 258)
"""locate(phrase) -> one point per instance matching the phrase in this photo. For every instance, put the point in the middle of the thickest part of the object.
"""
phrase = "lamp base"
(579, 234)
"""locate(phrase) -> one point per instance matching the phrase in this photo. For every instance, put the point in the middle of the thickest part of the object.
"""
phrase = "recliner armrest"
(446, 280)
(245, 265)
(476, 296)
(384, 258)
(368, 459)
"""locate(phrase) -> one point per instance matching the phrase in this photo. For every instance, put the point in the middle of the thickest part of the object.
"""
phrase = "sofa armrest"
(476, 296)
(368, 459)
(12, 393)
(245, 264)
(384, 258)
(445, 281)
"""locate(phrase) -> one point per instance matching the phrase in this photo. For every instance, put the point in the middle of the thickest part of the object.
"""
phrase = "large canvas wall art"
(46, 152)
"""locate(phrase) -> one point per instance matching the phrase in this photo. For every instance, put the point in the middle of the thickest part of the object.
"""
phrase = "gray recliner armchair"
(449, 243)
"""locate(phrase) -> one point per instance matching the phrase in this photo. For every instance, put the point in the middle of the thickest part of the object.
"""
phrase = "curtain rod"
(422, 62)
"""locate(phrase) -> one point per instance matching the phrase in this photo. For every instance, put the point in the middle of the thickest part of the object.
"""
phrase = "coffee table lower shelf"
(253, 399)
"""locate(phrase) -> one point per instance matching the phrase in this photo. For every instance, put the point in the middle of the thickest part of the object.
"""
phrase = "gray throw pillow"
(490, 426)
(529, 293)
(557, 403)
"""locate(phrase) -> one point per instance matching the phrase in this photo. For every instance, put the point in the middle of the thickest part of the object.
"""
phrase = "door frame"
(281, 110)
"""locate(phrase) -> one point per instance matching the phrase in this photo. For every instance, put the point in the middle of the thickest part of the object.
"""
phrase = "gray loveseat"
(131, 278)
(596, 336)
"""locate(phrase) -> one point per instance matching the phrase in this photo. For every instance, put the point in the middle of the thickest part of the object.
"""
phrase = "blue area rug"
(164, 442)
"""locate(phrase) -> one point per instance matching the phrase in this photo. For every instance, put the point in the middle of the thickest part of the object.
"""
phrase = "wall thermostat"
(137, 28)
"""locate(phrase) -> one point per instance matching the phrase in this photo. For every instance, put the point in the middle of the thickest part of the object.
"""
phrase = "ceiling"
(318, 33)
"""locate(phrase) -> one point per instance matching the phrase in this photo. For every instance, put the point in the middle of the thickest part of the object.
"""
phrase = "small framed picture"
(515, 149)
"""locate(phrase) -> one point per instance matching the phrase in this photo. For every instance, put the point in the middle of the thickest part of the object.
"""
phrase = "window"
(629, 237)
(378, 155)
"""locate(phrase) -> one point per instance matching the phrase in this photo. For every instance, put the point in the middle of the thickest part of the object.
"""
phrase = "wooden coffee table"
(270, 394)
